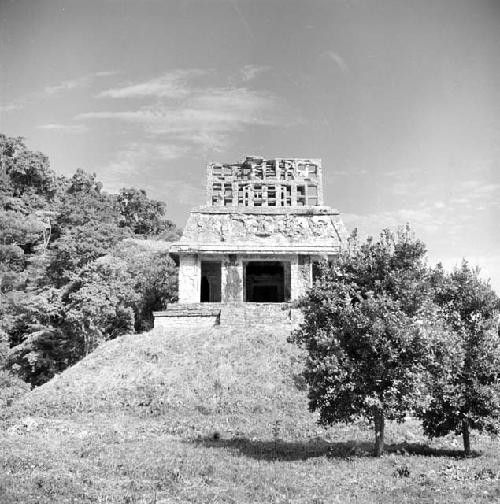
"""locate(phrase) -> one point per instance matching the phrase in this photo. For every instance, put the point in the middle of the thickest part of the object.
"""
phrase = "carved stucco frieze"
(213, 228)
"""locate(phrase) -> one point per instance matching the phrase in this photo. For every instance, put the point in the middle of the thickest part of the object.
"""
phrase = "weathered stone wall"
(189, 278)
(297, 281)
(183, 321)
(258, 210)
(232, 279)
(304, 275)
(272, 230)
(230, 314)
(252, 314)
(188, 315)
(258, 182)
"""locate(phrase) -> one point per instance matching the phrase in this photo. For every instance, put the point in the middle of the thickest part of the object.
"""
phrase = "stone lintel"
(276, 250)
(301, 210)
(187, 312)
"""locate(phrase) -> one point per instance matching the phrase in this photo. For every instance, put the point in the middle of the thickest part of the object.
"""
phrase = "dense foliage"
(75, 268)
(465, 384)
(387, 337)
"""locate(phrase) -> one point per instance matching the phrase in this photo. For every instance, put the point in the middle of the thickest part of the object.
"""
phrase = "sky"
(400, 99)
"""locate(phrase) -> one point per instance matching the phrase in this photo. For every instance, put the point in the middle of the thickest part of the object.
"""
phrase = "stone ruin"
(255, 246)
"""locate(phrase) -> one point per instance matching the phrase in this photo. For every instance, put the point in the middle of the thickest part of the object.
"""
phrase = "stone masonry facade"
(252, 249)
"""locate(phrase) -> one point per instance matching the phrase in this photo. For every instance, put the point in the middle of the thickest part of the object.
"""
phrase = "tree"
(26, 179)
(465, 385)
(118, 293)
(11, 386)
(69, 278)
(86, 227)
(78, 246)
(367, 334)
(40, 347)
(142, 215)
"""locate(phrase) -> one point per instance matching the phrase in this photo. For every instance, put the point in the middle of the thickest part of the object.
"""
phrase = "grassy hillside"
(226, 379)
(215, 415)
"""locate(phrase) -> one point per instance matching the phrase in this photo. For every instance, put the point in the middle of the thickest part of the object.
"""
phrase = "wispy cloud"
(337, 60)
(9, 107)
(190, 113)
(54, 90)
(145, 165)
(169, 85)
(138, 158)
(476, 192)
(437, 223)
(466, 207)
(64, 128)
(250, 72)
(76, 83)
(353, 172)
(139, 154)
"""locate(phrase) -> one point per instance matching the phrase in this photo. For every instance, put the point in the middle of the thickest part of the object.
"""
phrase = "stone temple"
(255, 246)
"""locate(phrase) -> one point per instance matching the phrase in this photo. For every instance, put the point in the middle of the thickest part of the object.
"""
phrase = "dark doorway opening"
(210, 282)
(265, 282)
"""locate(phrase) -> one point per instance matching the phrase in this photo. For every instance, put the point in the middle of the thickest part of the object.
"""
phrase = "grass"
(215, 416)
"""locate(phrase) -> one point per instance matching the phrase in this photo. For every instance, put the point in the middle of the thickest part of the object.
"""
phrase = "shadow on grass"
(289, 451)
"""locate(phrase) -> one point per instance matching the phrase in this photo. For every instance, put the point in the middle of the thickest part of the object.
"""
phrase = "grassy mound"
(216, 416)
(242, 381)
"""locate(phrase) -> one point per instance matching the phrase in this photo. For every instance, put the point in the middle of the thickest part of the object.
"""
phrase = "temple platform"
(227, 314)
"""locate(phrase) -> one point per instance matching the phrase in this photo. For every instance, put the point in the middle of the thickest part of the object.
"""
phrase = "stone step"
(228, 314)
(255, 314)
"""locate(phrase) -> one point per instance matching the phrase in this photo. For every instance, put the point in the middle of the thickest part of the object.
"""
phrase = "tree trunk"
(379, 432)
(465, 436)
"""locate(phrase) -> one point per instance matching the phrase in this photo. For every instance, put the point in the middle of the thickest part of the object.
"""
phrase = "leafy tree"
(83, 182)
(11, 386)
(465, 383)
(40, 347)
(142, 215)
(156, 279)
(26, 180)
(367, 333)
(69, 278)
(78, 246)
(27, 190)
(118, 293)
(86, 227)
(112, 295)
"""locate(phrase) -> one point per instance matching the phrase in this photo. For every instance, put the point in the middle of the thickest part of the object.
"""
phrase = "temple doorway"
(210, 282)
(267, 282)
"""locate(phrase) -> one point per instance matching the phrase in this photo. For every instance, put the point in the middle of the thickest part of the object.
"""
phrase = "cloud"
(475, 192)
(428, 185)
(140, 157)
(67, 128)
(489, 265)
(423, 219)
(250, 72)
(15, 105)
(191, 114)
(338, 61)
(144, 165)
(441, 227)
(169, 85)
(79, 82)
(348, 173)
(54, 90)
